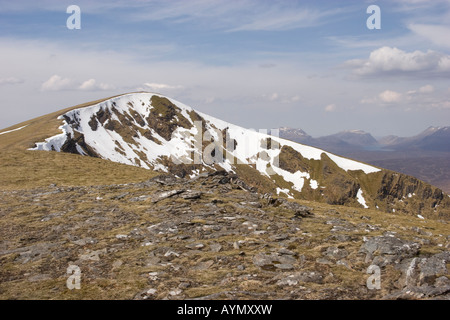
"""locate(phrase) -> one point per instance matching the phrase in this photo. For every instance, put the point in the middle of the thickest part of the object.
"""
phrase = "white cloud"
(426, 89)
(436, 34)
(285, 19)
(160, 86)
(56, 83)
(245, 15)
(92, 85)
(11, 80)
(393, 61)
(389, 96)
(330, 108)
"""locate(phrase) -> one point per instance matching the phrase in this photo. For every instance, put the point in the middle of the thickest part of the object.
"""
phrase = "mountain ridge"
(164, 128)
(424, 155)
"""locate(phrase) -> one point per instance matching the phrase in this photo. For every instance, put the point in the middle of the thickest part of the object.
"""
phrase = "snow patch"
(361, 199)
(12, 130)
(285, 191)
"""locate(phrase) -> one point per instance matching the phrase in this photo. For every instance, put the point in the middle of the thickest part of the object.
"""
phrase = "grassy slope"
(21, 168)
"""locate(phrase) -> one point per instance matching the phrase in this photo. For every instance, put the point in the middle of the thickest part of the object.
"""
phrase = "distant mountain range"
(432, 139)
(425, 155)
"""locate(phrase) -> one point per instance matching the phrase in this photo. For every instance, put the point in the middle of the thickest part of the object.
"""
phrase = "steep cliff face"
(159, 133)
(404, 193)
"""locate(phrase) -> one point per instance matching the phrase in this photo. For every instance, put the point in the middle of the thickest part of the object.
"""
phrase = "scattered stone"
(203, 265)
(298, 209)
(191, 195)
(284, 251)
(146, 294)
(323, 261)
(215, 247)
(171, 255)
(184, 285)
(166, 194)
(336, 253)
(175, 292)
(421, 231)
(85, 241)
(39, 277)
(93, 255)
(120, 196)
(195, 246)
(344, 263)
(274, 261)
(279, 237)
(295, 278)
(387, 249)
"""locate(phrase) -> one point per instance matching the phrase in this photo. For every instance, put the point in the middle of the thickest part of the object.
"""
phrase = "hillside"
(424, 156)
(159, 133)
(219, 230)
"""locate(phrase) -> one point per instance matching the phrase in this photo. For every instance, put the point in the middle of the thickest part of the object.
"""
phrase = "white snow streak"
(12, 130)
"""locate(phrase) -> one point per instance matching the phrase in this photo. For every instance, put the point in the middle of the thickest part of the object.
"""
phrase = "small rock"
(323, 261)
(389, 248)
(287, 282)
(145, 294)
(153, 276)
(85, 241)
(93, 256)
(175, 292)
(284, 251)
(442, 281)
(191, 195)
(117, 263)
(166, 194)
(336, 253)
(215, 247)
(195, 246)
(279, 237)
(203, 265)
(184, 285)
(284, 266)
(120, 196)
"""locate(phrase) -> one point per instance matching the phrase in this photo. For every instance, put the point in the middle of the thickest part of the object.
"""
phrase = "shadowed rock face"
(145, 130)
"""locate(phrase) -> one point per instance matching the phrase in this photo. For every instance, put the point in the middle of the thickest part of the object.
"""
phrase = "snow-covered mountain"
(432, 139)
(340, 142)
(158, 133)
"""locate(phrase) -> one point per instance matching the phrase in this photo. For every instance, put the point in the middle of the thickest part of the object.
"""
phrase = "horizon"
(256, 64)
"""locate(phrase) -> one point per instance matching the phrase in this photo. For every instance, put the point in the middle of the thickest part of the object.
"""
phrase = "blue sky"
(256, 63)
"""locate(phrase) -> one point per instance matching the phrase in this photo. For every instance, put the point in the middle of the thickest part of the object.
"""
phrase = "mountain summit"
(158, 133)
